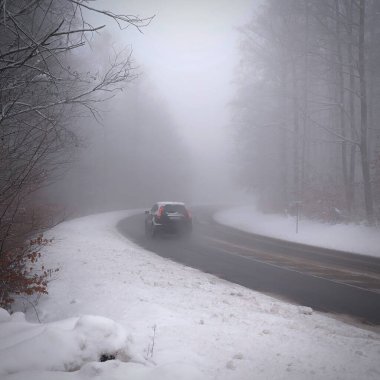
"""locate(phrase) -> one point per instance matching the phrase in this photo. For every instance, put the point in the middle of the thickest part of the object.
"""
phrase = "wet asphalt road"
(326, 280)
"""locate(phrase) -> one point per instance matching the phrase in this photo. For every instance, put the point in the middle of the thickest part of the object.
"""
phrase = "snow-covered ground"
(345, 237)
(163, 320)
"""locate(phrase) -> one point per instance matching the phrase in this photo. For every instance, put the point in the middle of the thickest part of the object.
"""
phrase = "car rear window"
(175, 208)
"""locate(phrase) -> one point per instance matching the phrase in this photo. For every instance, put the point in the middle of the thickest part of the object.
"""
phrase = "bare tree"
(41, 95)
(364, 116)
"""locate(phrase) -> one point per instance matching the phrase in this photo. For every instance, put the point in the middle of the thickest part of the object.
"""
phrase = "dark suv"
(168, 217)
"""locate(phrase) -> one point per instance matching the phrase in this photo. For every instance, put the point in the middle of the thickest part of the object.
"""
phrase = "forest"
(306, 115)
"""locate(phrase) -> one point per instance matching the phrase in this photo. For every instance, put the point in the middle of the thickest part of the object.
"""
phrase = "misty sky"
(189, 52)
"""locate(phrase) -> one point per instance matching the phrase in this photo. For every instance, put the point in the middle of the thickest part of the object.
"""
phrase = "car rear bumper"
(174, 227)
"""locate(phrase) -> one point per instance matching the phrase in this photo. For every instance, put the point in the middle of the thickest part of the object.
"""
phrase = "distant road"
(326, 280)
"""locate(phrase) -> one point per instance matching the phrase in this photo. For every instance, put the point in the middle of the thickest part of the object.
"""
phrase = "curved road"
(326, 280)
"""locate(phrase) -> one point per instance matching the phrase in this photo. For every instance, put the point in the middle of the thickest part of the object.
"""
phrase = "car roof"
(164, 203)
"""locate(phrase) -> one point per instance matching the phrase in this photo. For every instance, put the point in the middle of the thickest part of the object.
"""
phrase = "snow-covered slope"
(170, 321)
(345, 237)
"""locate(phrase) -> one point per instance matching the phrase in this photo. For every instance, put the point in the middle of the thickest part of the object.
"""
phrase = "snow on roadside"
(58, 346)
(353, 238)
(178, 322)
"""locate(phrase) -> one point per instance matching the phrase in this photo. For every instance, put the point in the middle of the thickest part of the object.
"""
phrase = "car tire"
(151, 231)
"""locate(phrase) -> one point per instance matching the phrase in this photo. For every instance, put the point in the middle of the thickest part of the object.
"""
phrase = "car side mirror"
(146, 212)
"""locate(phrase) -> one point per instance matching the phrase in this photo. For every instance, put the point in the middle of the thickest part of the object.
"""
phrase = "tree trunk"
(296, 131)
(353, 132)
(341, 105)
(305, 138)
(364, 118)
(284, 137)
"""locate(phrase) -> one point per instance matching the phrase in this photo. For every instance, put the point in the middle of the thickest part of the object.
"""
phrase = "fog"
(271, 98)
(167, 135)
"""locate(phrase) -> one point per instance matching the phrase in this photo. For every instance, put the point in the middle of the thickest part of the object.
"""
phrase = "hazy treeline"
(307, 119)
(134, 158)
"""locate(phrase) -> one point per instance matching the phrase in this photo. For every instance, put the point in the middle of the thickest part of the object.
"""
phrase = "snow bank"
(345, 237)
(59, 346)
(178, 322)
(73, 349)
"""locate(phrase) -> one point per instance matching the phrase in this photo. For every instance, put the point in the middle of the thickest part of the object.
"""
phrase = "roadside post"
(297, 204)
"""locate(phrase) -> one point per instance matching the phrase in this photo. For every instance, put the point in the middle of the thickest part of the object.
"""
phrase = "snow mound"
(4, 316)
(59, 346)
(73, 349)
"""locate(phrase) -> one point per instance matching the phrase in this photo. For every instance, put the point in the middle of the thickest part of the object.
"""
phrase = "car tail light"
(188, 214)
(160, 211)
